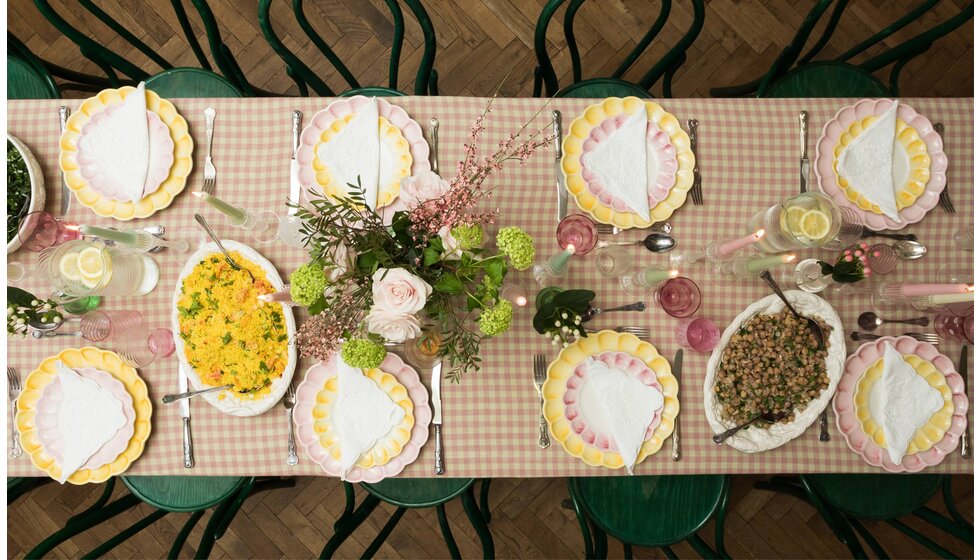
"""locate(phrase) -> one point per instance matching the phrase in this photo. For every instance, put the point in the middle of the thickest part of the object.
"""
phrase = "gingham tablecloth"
(748, 153)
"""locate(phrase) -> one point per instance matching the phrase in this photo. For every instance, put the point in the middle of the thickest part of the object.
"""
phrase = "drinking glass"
(179, 243)
(613, 262)
(809, 276)
(86, 268)
(679, 297)
(41, 230)
(15, 272)
(968, 329)
(97, 326)
(577, 230)
(963, 238)
(882, 258)
(696, 333)
(949, 327)
(140, 346)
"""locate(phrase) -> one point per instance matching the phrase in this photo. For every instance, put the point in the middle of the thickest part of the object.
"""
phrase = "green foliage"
(18, 190)
(571, 302)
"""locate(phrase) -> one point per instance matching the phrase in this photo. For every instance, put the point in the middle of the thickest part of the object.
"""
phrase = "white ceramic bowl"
(36, 201)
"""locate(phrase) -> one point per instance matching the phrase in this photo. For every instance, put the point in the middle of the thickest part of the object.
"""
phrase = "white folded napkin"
(866, 163)
(905, 403)
(620, 163)
(121, 145)
(88, 417)
(362, 415)
(620, 405)
(355, 151)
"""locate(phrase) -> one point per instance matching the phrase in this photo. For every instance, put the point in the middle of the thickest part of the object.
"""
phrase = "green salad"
(18, 190)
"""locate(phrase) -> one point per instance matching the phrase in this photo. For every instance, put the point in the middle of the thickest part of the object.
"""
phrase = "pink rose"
(341, 257)
(394, 327)
(398, 291)
(421, 188)
(449, 245)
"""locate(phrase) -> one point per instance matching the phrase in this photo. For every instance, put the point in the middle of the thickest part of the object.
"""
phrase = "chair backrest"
(306, 78)
(113, 64)
(191, 82)
(27, 78)
(545, 72)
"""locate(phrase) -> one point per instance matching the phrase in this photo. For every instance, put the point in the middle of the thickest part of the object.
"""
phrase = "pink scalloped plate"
(824, 162)
(306, 394)
(161, 157)
(580, 424)
(849, 425)
(47, 421)
(660, 175)
(346, 106)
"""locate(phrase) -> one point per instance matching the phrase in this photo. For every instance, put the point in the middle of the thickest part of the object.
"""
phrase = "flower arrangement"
(559, 315)
(23, 308)
(370, 281)
(851, 266)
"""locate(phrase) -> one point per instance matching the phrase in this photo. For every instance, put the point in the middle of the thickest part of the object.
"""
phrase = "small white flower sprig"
(559, 315)
(23, 309)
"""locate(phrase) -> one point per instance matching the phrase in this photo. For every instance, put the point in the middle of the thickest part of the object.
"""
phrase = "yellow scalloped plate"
(390, 135)
(108, 362)
(151, 203)
(386, 449)
(564, 366)
(915, 149)
(934, 429)
(571, 165)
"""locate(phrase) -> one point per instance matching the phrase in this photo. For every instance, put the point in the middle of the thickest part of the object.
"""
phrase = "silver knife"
(185, 415)
(675, 438)
(562, 193)
(294, 187)
(804, 161)
(965, 450)
(434, 141)
(63, 113)
(436, 390)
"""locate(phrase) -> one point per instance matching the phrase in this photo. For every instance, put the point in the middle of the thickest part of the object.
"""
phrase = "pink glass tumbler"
(950, 327)
(41, 230)
(99, 325)
(696, 333)
(680, 297)
(577, 230)
(139, 347)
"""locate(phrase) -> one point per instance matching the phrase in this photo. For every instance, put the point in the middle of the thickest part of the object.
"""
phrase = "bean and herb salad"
(18, 190)
(771, 365)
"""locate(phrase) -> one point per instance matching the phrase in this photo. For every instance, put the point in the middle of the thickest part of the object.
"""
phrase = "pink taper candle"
(913, 290)
(728, 248)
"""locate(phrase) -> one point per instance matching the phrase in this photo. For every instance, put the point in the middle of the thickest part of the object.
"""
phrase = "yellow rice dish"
(230, 336)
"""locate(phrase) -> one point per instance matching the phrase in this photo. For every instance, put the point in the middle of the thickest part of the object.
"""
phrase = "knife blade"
(63, 113)
(436, 390)
(185, 415)
(559, 183)
(294, 187)
(804, 161)
(675, 438)
(965, 450)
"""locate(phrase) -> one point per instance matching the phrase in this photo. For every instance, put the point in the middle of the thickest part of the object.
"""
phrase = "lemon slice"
(68, 266)
(90, 263)
(815, 225)
(794, 217)
(91, 282)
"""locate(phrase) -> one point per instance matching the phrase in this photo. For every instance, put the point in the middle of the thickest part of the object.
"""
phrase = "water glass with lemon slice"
(87, 268)
(805, 220)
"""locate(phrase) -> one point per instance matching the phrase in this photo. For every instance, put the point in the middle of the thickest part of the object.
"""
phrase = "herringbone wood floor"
(480, 42)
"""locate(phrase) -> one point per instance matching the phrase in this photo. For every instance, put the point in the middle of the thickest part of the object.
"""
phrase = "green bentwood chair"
(650, 511)
(168, 494)
(114, 64)
(305, 78)
(28, 79)
(17, 486)
(793, 75)
(405, 494)
(843, 500)
(613, 86)
(71, 80)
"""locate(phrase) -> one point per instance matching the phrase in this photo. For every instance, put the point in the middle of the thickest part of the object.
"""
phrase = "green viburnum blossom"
(495, 320)
(517, 245)
(468, 236)
(363, 353)
(306, 283)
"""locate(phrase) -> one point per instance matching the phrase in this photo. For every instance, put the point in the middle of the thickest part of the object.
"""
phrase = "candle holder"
(180, 244)
(721, 251)
(554, 270)
(643, 283)
(263, 226)
(613, 261)
(515, 292)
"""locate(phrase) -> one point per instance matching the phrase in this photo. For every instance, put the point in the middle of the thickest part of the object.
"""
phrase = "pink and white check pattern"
(748, 155)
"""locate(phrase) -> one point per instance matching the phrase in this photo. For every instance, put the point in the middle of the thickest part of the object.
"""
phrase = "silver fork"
(13, 391)
(921, 337)
(606, 229)
(944, 200)
(639, 332)
(209, 171)
(289, 402)
(540, 374)
(692, 126)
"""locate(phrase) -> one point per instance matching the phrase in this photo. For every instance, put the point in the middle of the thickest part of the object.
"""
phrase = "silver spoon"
(168, 399)
(765, 416)
(49, 334)
(655, 242)
(869, 321)
(591, 312)
(815, 329)
(204, 223)
(909, 250)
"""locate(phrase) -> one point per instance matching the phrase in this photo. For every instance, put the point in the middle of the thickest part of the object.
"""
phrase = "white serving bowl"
(36, 201)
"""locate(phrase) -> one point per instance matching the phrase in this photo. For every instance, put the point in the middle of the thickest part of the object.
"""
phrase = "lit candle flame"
(198, 194)
(969, 287)
(521, 301)
(789, 258)
(570, 249)
(673, 273)
(73, 227)
(759, 234)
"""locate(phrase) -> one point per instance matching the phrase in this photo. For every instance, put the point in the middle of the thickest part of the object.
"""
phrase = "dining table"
(748, 156)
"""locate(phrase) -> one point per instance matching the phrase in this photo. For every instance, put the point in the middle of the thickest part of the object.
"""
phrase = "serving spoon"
(204, 224)
(765, 416)
(168, 399)
(814, 326)
(909, 250)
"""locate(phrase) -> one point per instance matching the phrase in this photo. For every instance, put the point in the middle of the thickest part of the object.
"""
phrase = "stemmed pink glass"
(41, 230)
(679, 297)
(579, 231)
